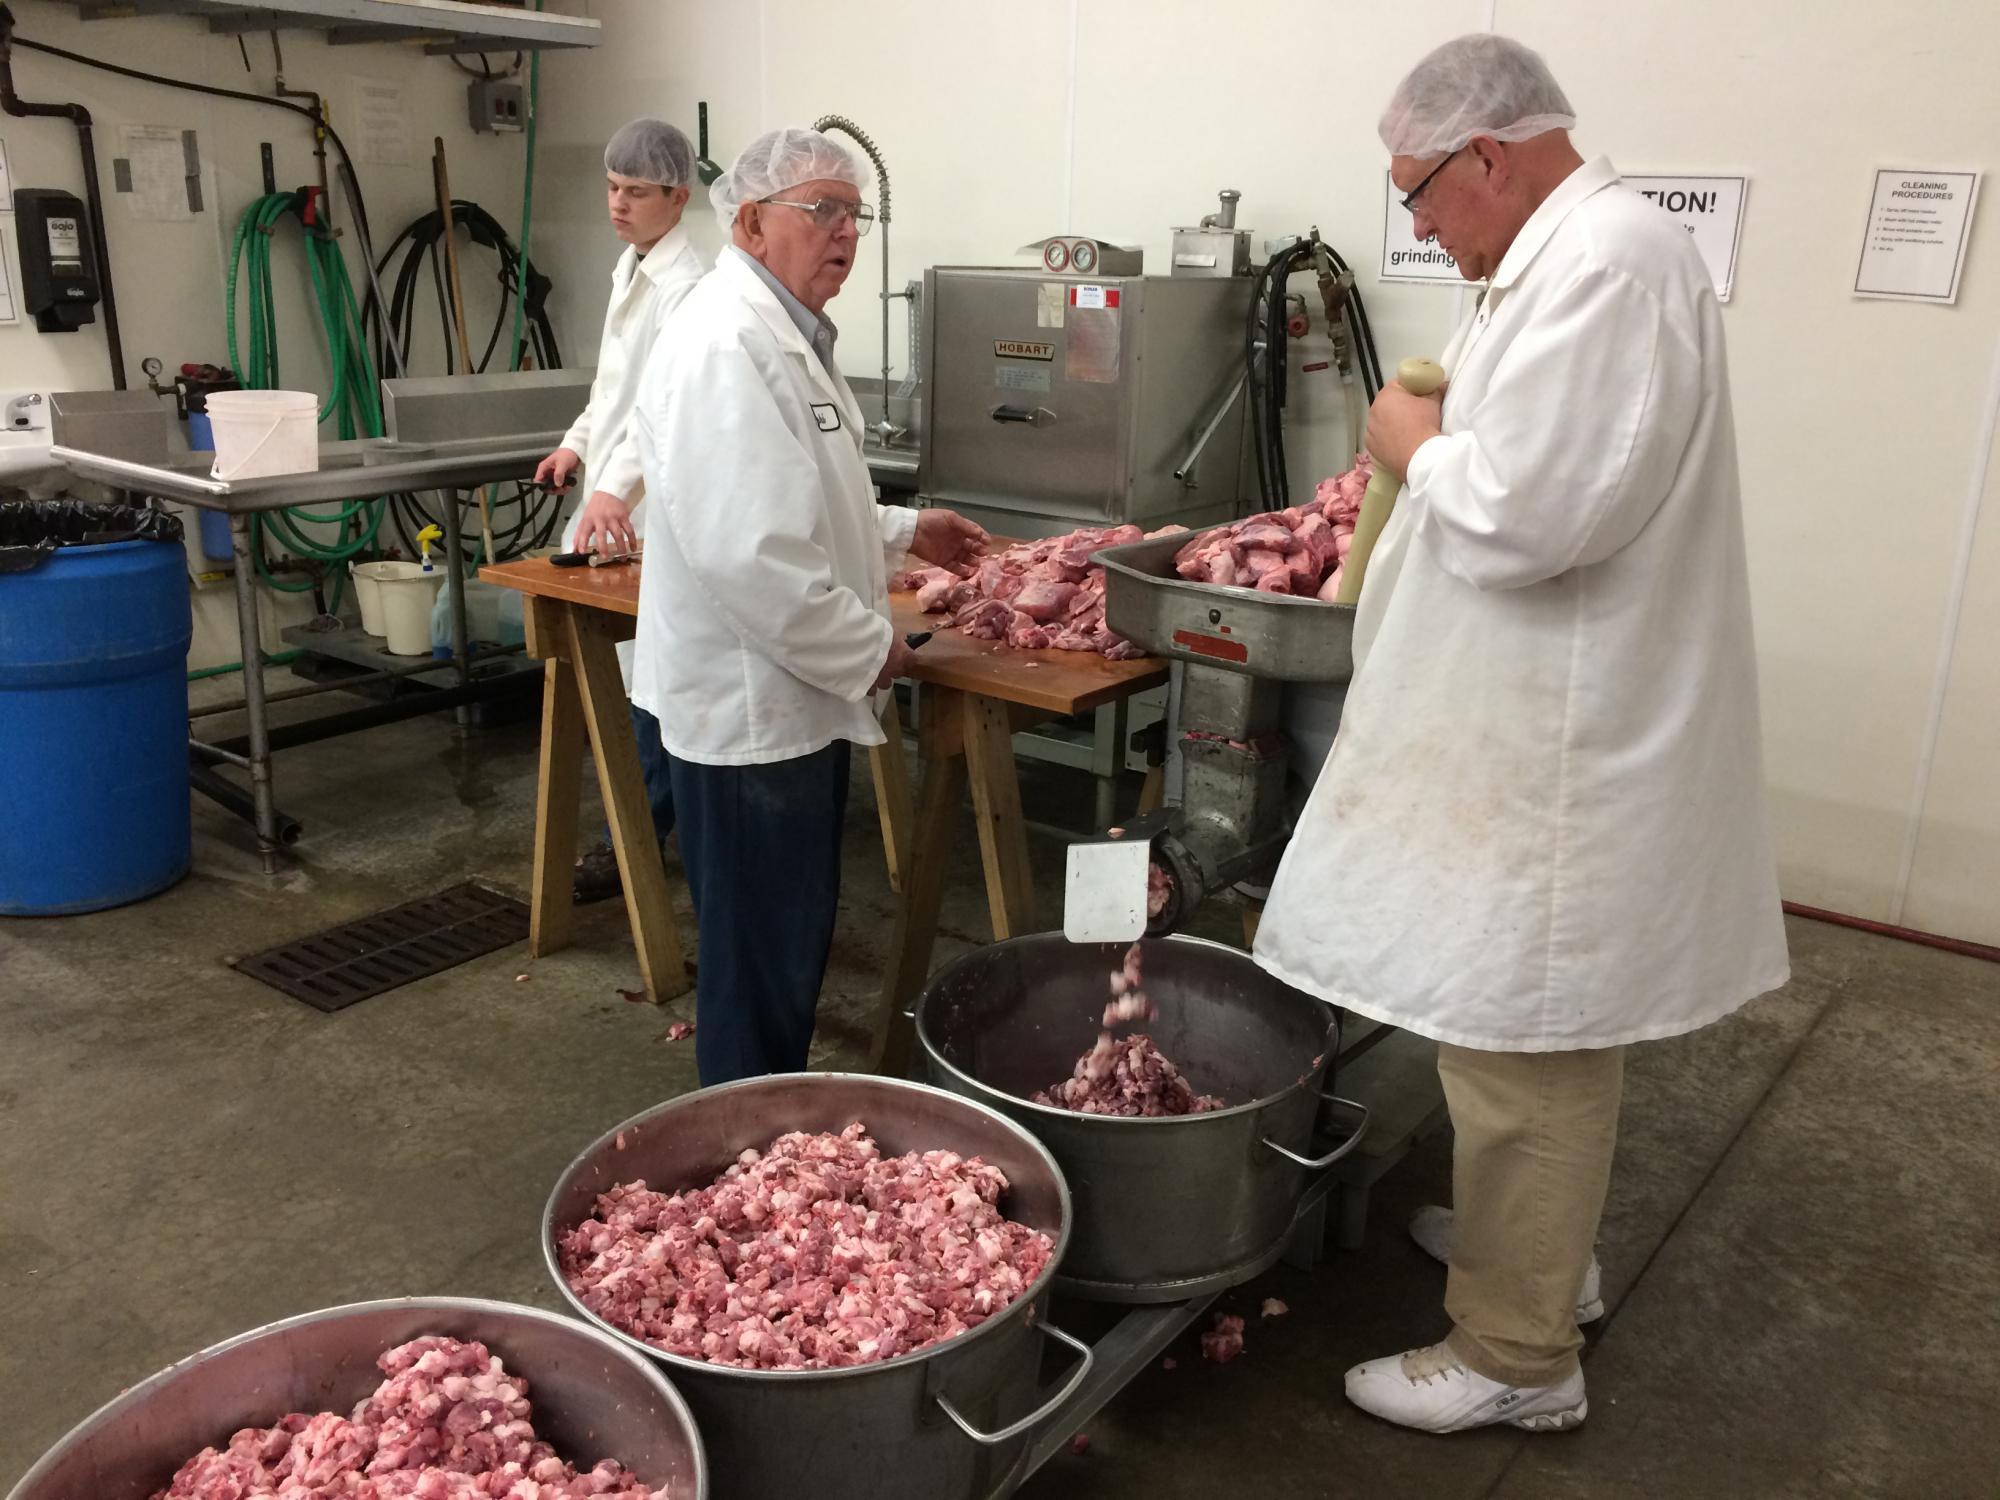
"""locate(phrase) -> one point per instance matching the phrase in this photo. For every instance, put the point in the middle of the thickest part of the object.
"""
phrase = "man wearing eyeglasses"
(764, 626)
(1540, 835)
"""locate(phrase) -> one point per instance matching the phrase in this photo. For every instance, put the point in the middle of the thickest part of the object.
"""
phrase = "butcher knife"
(1420, 377)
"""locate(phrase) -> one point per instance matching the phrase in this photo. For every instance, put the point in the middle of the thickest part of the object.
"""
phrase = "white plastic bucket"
(367, 593)
(404, 594)
(264, 432)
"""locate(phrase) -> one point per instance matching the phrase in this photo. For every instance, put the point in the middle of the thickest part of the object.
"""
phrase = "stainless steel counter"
(353, 470)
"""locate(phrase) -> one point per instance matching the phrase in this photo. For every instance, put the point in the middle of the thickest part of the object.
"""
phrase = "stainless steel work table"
(352, 470)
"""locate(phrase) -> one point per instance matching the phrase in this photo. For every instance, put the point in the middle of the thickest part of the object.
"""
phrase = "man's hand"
(901, 659)
(1399, 424)
(605, 525)
(558, 468)
(945, 537)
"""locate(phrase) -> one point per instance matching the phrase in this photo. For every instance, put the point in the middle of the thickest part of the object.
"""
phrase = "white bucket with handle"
(258, 433)
(404, 593)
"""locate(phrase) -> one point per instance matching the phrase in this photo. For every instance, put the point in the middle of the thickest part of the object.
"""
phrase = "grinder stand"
(1237, 648)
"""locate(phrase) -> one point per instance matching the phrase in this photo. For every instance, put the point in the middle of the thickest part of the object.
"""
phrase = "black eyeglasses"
(827, 213)
(1410, 198)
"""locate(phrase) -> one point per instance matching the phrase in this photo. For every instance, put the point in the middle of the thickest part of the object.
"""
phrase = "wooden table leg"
(552, 893)
(647, 903)
(996, 808)
(933, 833)
(892, 795)
(559, 780)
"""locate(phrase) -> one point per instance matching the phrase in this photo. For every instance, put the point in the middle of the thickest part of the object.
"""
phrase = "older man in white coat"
(1541, 833)
(648, 165)
(764, 625)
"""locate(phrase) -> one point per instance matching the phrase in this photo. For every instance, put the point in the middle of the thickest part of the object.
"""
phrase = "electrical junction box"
(494, 104)
(58, 273)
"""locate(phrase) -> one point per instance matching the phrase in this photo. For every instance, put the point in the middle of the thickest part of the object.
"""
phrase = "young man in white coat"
(648, 165)
(764, 624)
(1540, 835)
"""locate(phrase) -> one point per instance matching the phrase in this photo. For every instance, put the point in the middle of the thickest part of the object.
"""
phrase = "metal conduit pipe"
(1962, 946)
(100, 247)
(887, 429)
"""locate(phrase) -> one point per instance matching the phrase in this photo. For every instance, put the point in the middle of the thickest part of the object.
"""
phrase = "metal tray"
(1262, 635)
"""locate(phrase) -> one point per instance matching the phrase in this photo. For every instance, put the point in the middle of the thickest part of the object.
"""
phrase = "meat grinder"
(1237, 649)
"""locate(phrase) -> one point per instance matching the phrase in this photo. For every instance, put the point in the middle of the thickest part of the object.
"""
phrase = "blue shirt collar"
(817, 328)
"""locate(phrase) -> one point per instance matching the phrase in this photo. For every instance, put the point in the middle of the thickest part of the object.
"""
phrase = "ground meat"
(1224, 1341)
(1127, 1076)
(1159, 890)
(1297, 551)
(1273, 1308)
(817, 1253)
(1128, 996)
(449, 1423)
(1034, 596)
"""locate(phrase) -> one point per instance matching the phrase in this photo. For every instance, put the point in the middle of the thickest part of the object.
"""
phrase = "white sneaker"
(1431, 1228)
(1428, 1389)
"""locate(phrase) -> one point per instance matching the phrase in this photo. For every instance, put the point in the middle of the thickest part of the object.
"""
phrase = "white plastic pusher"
(1420, 377)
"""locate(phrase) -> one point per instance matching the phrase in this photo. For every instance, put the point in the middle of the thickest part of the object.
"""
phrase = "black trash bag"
(32, 530)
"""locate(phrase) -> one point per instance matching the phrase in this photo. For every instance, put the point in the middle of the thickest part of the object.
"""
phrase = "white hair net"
(779, 160)
(652, 151)
(1480, 84)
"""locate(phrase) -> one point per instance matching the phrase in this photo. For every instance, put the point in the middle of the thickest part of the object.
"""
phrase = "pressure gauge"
(1083, 259)
(1055, 255)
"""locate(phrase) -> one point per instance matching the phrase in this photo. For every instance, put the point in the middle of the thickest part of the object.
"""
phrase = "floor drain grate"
(331, 970)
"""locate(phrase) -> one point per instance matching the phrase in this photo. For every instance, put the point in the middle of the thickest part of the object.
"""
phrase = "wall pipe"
(887, 430)
(100, 247)
(1962, 946)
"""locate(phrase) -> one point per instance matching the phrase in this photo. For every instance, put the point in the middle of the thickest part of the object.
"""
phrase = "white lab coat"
(764, 604)
(1542, 824)
(644, 289)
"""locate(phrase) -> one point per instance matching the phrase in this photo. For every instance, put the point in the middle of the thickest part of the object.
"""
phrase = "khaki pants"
(1530, 1164)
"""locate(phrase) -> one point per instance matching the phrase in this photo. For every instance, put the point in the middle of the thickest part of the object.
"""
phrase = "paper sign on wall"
(1918, 225)
(381, 126)
(1708, 208)
(6, 183)
(1404, 256)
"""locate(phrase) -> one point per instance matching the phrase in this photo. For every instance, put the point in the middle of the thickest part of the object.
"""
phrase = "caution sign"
(1708, 208)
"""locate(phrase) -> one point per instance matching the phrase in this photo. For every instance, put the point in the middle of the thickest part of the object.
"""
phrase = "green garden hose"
(354, 402)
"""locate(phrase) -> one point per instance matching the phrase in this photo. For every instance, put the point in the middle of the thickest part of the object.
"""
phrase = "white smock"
(1542, 825)
(644, 289)
(764, 601)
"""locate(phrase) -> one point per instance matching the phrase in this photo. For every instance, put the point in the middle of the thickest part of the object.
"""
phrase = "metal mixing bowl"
(592, 1398)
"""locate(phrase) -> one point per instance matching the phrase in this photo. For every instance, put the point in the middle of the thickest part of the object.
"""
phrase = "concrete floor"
(1799, 1250)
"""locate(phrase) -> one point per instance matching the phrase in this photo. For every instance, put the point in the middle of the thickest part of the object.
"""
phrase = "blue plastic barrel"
(93, 728)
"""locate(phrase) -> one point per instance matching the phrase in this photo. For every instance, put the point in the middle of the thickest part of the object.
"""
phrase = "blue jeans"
(653, 767)
(760, 846)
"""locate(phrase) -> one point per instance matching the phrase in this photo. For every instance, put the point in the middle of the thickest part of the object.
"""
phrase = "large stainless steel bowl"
(950, 1422)
(592, 1398)
(1165, 1208)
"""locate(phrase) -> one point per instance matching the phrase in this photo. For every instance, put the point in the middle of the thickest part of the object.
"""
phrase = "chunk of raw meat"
(1128, 995)
(1039, 595)
(1297, 551)
(816, 1253)
(1224, 1341)
(1159, 890)
(449, 1423)
(1127, 1076)
(1273, 1308)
